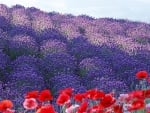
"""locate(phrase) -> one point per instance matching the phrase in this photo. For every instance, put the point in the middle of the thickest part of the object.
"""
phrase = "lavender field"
(40, 50)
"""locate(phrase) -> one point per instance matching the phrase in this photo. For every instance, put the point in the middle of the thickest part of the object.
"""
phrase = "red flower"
(67, 91)
(141, 74)
(139, 94)
(5, 104)
(99, 95)
(147, 93)
(83, 107)
(95, 94)
(62, 99)
(39, 106)
(30, 104)
(32, 94)
(136, 105)
(79, 97)
(46, 109)
(45, 95)
(107, 101)
(91, 93)
(118, 108)
(96, 109)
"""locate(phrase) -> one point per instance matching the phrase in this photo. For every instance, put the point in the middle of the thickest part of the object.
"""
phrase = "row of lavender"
(32, 21)
(49, 50)
(43, 26)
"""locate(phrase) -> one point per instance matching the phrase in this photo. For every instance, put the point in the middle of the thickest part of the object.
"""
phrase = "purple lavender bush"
(62, 81)
(22, 45)
(4, 17)
(4, 62)
(81, 48)
(20, 21)
(3, 39)
(22, 80)
(52, 46)
(29, 60)
(92, 64)
(57, 63)
(110, 84)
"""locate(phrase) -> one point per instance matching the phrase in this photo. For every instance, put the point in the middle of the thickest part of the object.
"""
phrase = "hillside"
(47, 50)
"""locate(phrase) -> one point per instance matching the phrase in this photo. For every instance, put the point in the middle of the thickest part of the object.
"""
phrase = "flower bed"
(91, 101)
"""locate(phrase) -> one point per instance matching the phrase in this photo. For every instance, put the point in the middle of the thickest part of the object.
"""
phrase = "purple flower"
(109, 84)
(22, 80)
(95, 64)
(40, 22)
(4, 17)
(89, 68)
(4, 60)
(3, 39)
(61, 81)
(58, 63)
(81, 48)
(22, 45)
(20, 21)
(30, 60)
(52, 46)
(20, 17)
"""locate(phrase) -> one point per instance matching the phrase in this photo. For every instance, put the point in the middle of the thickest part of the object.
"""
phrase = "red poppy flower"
(62, 99)
(91, 93)
(79, 97)
(30, 104)
(141, 75)
(95, 94)
(5, 104)
(46, 109)
(99, 95)
(96, 109)
(136, 105)
(139, 94)
(118, 108)
(107, 101)
(45, 95)
(32, 94)
(67, 91)
(147, 93)
(83, 107)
